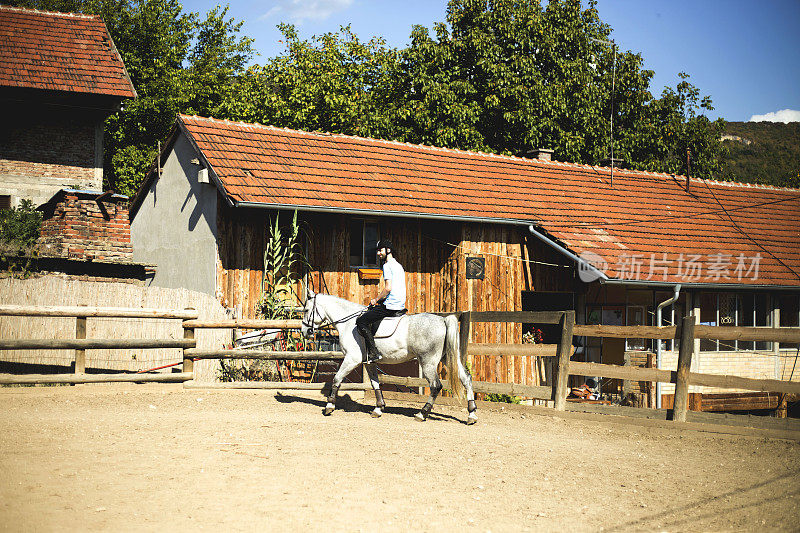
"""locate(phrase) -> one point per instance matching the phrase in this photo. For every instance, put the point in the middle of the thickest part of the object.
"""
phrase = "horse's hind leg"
(466, 380)
(380, 405)
(429, 373)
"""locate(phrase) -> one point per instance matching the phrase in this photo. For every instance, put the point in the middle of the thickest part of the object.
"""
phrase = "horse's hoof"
(419, 417)
(376, 413)
(471, 419)
(328, 411)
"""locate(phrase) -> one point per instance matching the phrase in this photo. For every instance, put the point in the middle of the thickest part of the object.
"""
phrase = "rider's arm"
(387, 287)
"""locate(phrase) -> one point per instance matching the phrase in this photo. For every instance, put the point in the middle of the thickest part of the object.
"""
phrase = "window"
(5, 201)
(635, 317)
(789, 305)
(730, 309)
(364, 235)
(636, 314)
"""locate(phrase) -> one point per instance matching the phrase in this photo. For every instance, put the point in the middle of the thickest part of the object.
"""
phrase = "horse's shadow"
(347, 404)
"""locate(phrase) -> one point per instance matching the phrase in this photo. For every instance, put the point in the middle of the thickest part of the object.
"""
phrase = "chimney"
(541, 154)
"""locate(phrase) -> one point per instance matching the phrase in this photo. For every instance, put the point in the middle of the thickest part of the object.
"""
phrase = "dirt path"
(156, 458)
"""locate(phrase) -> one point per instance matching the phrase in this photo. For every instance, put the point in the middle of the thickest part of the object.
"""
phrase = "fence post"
(80, 354)
(681, 403)
(562, 361)
(188, 333)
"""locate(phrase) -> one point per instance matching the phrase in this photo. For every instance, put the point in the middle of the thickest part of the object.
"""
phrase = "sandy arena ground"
(161, 458)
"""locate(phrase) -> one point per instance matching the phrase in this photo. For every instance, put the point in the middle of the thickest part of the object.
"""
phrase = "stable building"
(481, 232)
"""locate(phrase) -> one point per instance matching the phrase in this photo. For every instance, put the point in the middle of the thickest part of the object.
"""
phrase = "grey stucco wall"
(176, 226)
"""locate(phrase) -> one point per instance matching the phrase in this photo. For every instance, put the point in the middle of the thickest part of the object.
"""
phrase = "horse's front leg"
(380, 405)
(349, 363)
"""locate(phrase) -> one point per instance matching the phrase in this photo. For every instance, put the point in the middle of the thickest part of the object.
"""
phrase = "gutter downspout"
(661, 306)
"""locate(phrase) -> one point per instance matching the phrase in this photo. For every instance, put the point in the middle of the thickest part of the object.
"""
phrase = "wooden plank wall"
(433, 254)
(240, 258)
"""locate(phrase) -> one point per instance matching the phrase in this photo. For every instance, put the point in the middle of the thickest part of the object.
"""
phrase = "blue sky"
(745, 54)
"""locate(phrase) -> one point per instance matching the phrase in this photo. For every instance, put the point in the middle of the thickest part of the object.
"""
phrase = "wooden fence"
(685, 333)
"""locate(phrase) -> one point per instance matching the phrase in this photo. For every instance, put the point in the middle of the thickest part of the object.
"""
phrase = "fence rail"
(685, 333)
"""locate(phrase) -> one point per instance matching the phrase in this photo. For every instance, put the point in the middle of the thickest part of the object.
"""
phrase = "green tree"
(216, 60)
(334, 83)
(20, 226)
(511, 75)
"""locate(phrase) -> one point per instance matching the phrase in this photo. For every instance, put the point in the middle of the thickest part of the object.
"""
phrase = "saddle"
(387, 326)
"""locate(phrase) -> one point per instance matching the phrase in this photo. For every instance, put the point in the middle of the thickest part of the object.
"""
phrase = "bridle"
(325, 321)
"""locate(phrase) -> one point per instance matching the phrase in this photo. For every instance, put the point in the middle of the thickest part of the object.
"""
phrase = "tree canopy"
(502, 76)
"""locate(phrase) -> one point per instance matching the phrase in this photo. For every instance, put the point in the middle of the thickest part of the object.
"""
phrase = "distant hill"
(762, 152)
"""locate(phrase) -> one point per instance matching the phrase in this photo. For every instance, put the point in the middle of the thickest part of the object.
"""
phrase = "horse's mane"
(346, 303)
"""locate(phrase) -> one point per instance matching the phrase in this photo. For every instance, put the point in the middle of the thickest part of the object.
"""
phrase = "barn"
(60, 78)
(481, 232)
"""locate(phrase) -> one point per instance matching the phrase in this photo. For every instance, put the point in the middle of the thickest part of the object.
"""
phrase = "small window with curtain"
(5, 201)
(364, 236)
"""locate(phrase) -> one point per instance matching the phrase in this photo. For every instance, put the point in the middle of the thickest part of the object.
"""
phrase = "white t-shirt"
(392, 270)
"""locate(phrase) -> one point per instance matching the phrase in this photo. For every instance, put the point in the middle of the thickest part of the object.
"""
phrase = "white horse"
(424, 336)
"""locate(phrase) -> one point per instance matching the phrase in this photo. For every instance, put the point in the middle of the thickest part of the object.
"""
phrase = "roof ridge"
(629, 172)
(41, 12)
(749, 185)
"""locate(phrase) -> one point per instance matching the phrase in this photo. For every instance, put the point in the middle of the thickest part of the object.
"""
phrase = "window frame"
(362, 236)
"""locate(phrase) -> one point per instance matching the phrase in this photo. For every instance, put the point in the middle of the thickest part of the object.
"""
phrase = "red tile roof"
(60, 52)
(719, 226)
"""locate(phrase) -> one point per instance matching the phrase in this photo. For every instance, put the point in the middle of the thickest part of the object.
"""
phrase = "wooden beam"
(736, 382)
(623, 332)
(532, 317)
(514, 389)
(742, 333)
(274, 385)
(34, 379)
(264, 355)
(243, 324)
(541, 350)
(93, 344)
(84, 311)
(633, 373)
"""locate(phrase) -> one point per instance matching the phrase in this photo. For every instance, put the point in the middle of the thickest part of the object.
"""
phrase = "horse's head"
(312, 318)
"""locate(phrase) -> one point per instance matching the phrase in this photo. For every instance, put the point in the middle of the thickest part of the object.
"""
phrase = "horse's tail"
(452, 337)
(452, 350)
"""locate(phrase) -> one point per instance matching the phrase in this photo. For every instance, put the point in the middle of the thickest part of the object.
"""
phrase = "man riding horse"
(390, 302)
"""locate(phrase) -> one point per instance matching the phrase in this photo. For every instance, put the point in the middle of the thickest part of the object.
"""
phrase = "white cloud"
(784, 115)
(299, 11)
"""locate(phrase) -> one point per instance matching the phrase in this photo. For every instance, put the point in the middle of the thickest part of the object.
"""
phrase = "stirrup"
(374, 358)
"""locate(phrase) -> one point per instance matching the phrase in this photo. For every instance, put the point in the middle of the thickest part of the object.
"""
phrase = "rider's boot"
(373, 354)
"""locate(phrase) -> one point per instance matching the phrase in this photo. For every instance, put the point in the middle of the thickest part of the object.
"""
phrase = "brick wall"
(43, 152)
(79, 227)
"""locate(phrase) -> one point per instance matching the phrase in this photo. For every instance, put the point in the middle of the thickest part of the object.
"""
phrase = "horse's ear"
(309, 293)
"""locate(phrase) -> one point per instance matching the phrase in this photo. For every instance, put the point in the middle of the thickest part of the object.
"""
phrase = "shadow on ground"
(347, 404)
